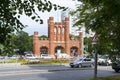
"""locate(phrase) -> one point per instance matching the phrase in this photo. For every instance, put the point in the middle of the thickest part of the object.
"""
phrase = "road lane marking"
(24, 73)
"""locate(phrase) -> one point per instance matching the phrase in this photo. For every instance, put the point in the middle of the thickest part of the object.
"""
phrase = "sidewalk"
(9, 65)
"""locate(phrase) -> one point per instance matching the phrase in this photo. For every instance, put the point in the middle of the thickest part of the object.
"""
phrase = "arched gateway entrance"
(43, 50)
(59, 49)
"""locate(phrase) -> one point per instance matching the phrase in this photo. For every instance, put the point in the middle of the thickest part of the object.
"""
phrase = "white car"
(15, 57)
(104, 60)
(63, 55)
(46, 56)
(30, 56)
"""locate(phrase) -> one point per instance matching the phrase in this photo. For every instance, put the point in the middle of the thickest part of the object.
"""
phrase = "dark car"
(82, 62)
(116, 65)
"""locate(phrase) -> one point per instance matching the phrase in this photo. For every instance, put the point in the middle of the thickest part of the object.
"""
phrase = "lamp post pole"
(94, 42)
(95, 69)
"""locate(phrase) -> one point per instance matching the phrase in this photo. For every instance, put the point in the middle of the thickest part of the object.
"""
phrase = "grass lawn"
(116, 77)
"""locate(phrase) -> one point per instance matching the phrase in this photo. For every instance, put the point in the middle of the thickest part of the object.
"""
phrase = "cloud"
(43, 28)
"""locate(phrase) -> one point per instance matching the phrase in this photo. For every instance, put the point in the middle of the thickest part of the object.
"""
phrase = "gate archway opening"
(74, 51)
(43, 50)
(59, 49)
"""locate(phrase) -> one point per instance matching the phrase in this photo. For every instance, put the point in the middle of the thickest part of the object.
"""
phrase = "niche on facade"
(74, 51)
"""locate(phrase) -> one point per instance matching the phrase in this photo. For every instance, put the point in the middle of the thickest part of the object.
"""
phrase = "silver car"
(82, 62)
(104, 60)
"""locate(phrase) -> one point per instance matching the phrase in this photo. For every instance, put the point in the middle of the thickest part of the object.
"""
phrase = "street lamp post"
(95, 69)
(94, 42)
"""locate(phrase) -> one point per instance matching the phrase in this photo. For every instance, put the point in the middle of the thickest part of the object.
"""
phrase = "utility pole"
(94, 42)
(95, 69)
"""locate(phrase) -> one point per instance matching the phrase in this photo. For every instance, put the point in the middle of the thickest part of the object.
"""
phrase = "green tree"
(87, 45)
(7, 48)
(23, 42)
(1, 49)
(11, 10)
(102, 17)
(43, 37)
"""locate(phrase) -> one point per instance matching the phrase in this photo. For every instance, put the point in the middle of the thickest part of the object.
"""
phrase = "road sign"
(94, 39)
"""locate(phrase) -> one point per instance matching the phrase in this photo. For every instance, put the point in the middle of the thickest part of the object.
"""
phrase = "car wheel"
(72, 66)
(92, 65)
(80, 65)
(107, 64)
(116, 70)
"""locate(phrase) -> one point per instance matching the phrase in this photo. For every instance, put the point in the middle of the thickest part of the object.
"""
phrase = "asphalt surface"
(17, 68)
(50, 72)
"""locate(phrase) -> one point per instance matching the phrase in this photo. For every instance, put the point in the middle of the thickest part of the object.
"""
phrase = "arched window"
(55, 30)
(62, 30)
(59, 30)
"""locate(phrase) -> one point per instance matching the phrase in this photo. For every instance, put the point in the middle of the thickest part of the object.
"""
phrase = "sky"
(42, 29)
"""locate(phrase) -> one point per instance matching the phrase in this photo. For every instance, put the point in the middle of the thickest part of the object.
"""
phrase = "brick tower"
(58, 40)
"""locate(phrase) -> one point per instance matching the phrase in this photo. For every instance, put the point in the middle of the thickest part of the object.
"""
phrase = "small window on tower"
(55, 30)
(62, 30)
(59, 30)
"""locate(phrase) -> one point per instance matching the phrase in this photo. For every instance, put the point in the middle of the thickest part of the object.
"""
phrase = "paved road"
(57, 75)
(52, 73)
(36, 68)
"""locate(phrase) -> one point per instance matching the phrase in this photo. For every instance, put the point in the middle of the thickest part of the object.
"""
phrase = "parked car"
(46, 56)
(82, 62)
(2, 58)
(30, 56)
(63, 55)
(116, 65)
(15, 57)
(104, 60)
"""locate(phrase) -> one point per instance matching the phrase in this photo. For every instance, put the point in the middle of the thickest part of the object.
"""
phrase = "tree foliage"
(43, 37)
(102, 17)
(7, 48)
(11, 10)
(87, 45)
(23, 42)
(18, 44)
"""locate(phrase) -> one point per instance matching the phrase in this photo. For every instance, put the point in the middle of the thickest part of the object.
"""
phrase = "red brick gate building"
(58, 40)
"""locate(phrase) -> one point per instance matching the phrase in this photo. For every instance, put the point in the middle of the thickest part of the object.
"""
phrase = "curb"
(70, 69)
(39, 71)
(51, 65)
(11, 65)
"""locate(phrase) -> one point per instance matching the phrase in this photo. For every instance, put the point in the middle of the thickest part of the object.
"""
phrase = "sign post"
(94, 42)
